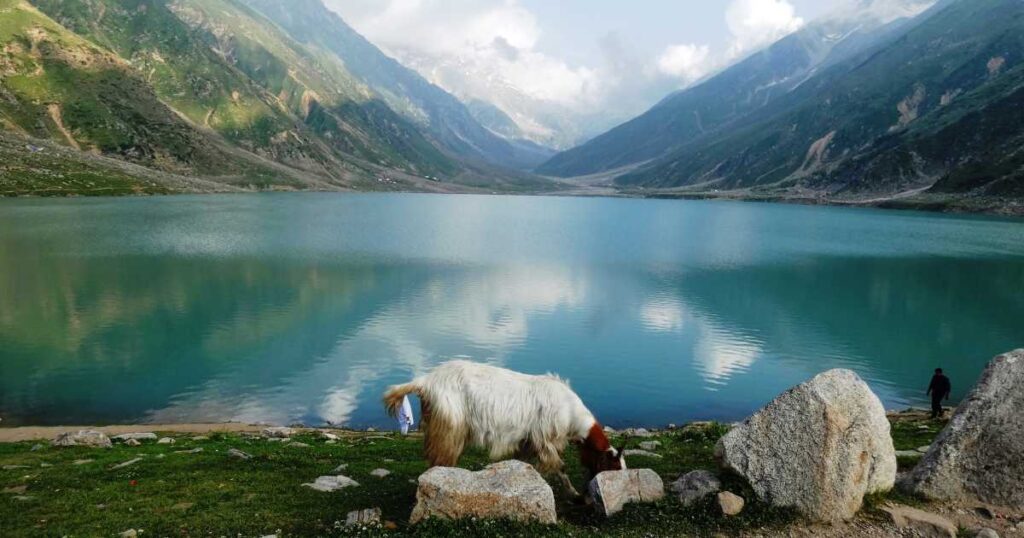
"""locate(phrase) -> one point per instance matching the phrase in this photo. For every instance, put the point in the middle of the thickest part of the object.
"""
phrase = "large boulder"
(505, 490)
(612, 490)
(83, 438)
(980, 454)
(819, 447)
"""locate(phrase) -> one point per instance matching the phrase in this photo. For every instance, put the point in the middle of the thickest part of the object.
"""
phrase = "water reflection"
(260, 309)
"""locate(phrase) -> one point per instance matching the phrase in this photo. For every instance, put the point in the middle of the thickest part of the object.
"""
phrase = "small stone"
(986, 533)
(332, 483)
(16, 489)
(371, 430)
(923, 449)
(391, 525)
(125, 464)
(730, 503)
(278, 432)
(629, 452)
(340, 468)
(200, 438)
(924, 523)
(298, 445)
(329, 436)
(36, 448)
(672, 426)
(132, 442)
(44, 465)
(130, 533)
(695, 485)
(235, 453)
(24, 498)
(146, 436)
(14, 467)
(913, 454)
(81, 462)
(330, 442)
(83, 438)
(166, 441)
(183, 506)
(650, 445)
(612, 490)
(369, 516)
(636, 432)
(380, 473)
(193, 451)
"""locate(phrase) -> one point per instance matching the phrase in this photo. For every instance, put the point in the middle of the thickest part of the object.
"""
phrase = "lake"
(303, 307)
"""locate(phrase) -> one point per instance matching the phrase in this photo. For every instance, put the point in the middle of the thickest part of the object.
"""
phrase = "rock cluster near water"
(83, 438)
(980, 454)
(612, 490)
(505, 490)
(819, 447)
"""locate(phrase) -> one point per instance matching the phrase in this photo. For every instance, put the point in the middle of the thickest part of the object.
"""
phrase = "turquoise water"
(303, 307)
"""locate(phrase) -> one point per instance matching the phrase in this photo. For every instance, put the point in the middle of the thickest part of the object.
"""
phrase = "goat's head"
(598, 455)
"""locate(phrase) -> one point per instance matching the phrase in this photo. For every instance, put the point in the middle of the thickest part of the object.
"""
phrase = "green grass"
(210, 493)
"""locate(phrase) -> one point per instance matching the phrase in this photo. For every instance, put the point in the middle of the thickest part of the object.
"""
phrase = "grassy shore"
(195, 488)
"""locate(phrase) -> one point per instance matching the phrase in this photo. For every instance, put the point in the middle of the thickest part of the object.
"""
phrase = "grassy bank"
(194, 487)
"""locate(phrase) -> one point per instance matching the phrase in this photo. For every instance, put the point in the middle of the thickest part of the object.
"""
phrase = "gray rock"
(730, 503)
(980, 456)
(166, 441)
(329, 436)
(380, 473)
(36, 448)
(135, 436)
(298, 445)
(130, 533)
(332, 483)
(369, 516)
(695, 485)
(83, 438)
(505, 490)
(81, 462)
(650, 445)
(198, 438)
(612, 490)
(636, 432)
(341, 468)
(235, 453)
(132, 442)
(13, 467)
(986, 533)
(819, 448)
(642, 453)
(924, 449)
(920, 522)
(909, 454)
(278, 432)
(193, 451)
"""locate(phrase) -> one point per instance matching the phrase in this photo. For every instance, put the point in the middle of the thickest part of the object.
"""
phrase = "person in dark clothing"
(939, 389)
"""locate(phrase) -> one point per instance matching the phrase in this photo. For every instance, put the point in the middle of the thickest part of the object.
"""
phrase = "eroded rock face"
(505, 490)
(83, 438)
(819, 447)
(980, 454)
(612, 490)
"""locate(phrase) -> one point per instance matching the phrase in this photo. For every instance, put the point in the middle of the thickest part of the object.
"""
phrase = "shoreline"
(949, 205)
(20, 434)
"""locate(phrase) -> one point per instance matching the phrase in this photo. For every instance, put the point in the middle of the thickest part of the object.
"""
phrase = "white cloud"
(492, 39)
(756, 23)
(687, 62)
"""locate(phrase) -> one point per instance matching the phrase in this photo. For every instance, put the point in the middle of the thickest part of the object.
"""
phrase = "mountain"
(444, 116)
(752, 84)
(933, 107)
(207, 89)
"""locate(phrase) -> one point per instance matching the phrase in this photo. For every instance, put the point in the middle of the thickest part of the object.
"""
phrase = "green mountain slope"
(442, 115)
(880, 122)
(753, 84)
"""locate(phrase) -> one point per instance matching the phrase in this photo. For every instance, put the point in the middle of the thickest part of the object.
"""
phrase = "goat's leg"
(551, 463)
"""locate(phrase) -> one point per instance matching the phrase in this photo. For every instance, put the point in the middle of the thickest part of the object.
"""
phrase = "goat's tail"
(394, 395)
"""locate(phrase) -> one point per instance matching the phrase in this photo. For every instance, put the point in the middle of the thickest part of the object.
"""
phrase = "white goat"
(506, 413)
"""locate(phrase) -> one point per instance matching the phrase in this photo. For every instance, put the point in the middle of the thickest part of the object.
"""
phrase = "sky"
(617, 57)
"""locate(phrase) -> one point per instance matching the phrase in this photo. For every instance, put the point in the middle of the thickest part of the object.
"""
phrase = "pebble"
(642, 453)
(125, 464)
(380, 473)
(636, 432)
(36, 448)
(332, 483)
(650, 445)
(24, 498)
(298, 445)
(369, 516)
(132, 442)
(130, 533)
(924, 449)
(165, 441)
(183, 506)
(200, 438)
(81, 462)
(14, 467)
(235, 453)
(986, 533)
(16, 489)
(340, 468)
(730, 503)
(193, 451)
